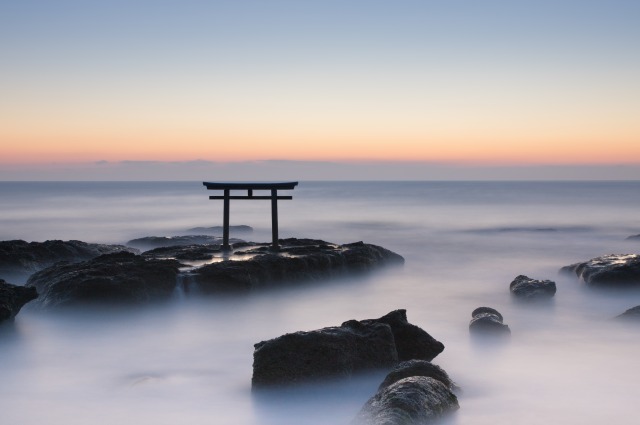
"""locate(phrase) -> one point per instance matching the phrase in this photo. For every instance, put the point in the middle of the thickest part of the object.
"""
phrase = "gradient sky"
(448, 81)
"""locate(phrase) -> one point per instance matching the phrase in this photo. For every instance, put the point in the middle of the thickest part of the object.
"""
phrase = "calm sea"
(190, 362)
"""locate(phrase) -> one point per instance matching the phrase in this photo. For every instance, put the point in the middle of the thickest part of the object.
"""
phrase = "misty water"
(190, 361)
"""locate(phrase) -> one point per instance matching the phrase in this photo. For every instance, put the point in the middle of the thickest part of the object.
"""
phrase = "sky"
(168, 90)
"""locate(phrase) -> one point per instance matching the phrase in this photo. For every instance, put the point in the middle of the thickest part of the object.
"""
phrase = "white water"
(190, 361)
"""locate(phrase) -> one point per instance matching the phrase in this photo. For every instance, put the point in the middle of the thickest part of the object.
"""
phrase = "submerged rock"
(119, 278)
(217, 230)
(296, 261)
(633, 314)
(416, 400)
(488, 321)
(528, 289)
(608, 271)
(13, 298)
(19, 259)
(337, 351)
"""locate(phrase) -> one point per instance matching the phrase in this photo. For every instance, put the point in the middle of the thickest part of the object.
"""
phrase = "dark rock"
(608, 271)
(633, 238)
(296, 261)
(525, 288)
(409, 401)
(217, 230)
(633, 314)
(120, 278)
(151, 242)
(339, 351)
(412, 342)
(323, 353)
(488, 321)
(12, 298)
(489, 310)
(186, 253)
(19, 259)
(417, 368)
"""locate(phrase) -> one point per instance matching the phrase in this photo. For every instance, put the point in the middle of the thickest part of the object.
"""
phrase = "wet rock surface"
(19, 259)
(186, 252)
(111, 279)
(415, 400)
(527, 289)
(488, 321)
(334, 351)
(608, 271)
(296, 261)
(414, 367)
(13, 298)
(152, 242)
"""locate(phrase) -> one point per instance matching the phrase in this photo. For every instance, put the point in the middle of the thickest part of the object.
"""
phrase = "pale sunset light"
(447, 82)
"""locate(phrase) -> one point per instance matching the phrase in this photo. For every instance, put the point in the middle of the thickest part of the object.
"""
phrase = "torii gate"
(250, 187)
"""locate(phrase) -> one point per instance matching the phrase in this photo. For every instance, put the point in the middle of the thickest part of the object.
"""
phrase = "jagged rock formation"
(609, 271)
(527, 289)
(119, 278)
(19, 259)
(297, 260)
(13, 298)
(339, 351)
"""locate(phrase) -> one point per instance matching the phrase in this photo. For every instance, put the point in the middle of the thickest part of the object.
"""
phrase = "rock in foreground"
(527, 289)
(20, 259)
(13, 298)
(608, 271)
(297, 260)
(416, 400)
(120, 278)
(336, 351)
(488, 321)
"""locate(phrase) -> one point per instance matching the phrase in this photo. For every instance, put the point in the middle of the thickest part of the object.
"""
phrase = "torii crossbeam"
(250, 187)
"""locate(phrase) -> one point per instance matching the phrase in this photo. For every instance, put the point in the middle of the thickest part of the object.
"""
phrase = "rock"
(633, 314)
(19, 259)
(13, 298)
(185, 253)
(417, 368)
(488, 321)
(608, 271)
(633, 238)
(151, 242)
(323, 353)
(119, 278)
(296, 261)
(416, 400)
(339, 351)
(528, 289)
(411, 341)
(217, 230)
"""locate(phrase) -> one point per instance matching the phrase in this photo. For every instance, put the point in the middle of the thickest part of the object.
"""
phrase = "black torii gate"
(250, 187)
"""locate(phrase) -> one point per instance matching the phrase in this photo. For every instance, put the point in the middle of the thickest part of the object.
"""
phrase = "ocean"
(190, 361)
